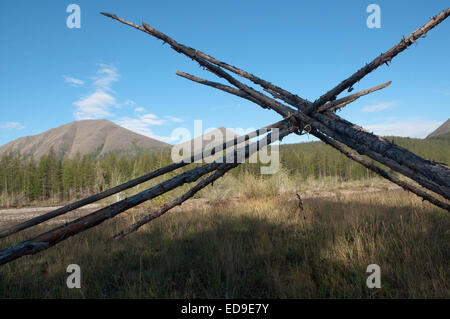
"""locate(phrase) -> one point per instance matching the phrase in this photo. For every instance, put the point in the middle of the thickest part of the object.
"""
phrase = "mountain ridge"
(84, 137)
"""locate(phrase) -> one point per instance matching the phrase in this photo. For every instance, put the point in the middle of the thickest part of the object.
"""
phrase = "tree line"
(24, 180)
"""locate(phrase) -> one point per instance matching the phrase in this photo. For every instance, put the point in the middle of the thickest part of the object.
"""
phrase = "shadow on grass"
(274, 251)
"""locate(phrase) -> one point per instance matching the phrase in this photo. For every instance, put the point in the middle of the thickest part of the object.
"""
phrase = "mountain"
(206, 141)
(96, 137)
(441, 131)
(212, 138)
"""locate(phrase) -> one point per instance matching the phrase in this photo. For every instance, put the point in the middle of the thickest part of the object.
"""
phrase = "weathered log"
(56, 235)
(436, 172)
(380, 145)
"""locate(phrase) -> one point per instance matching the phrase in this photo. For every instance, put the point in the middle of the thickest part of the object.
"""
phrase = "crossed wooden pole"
(432, 179)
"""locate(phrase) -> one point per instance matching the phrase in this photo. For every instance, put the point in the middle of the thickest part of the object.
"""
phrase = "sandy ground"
(17, 215)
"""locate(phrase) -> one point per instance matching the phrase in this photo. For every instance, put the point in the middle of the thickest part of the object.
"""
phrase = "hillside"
(210, 139)
(97, 137)
(444, 129)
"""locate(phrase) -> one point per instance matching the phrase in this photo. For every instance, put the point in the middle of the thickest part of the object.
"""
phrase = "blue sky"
(51, 75)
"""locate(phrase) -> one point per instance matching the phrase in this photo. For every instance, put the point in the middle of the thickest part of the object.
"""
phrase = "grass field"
(260, 246)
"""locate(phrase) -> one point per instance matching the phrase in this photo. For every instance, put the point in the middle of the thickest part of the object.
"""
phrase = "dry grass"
(261, 246)
(247, 186)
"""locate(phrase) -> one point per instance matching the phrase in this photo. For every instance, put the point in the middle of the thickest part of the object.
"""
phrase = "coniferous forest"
(24, 180)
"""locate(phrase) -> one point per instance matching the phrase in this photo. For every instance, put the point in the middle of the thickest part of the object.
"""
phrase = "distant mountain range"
(97, 137)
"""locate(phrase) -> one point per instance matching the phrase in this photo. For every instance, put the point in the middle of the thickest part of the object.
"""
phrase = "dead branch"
(340, 103)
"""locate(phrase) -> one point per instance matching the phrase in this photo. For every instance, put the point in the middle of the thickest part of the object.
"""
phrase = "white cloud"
(173, 119)
(378, 107)
(11, 126)
(142, 124)
(408, 128)
(96, 105)
(102, 98)
(106, 75)
(73, 81)
(129, 102)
